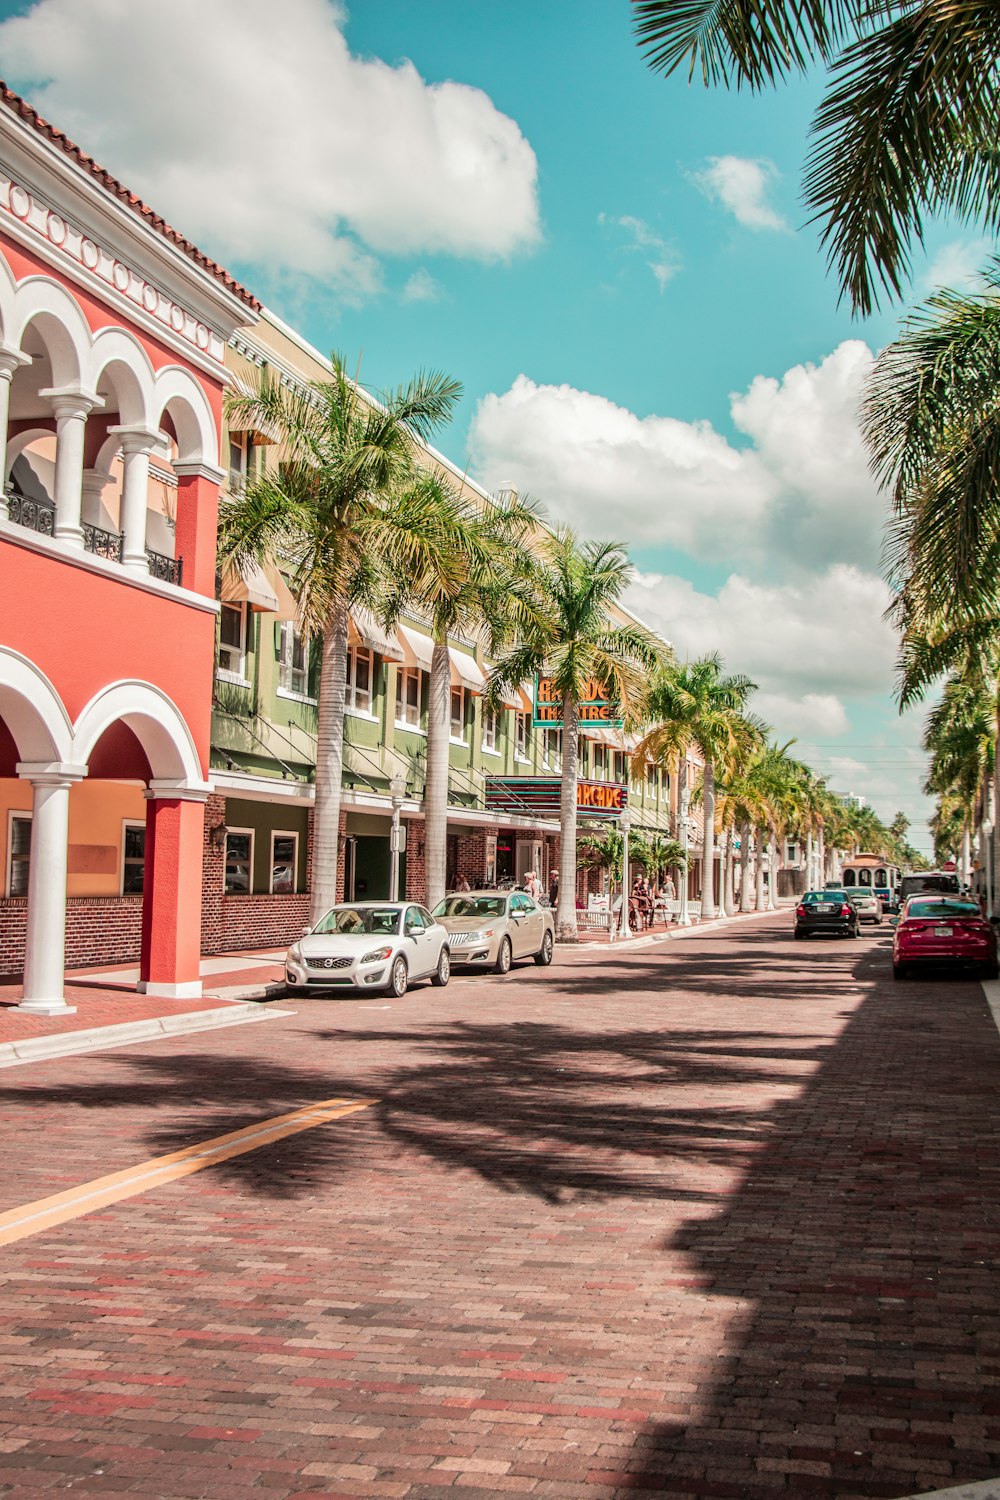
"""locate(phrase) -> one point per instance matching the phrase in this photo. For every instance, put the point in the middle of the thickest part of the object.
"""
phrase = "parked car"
(489, 929)
(370, 945)
(934, 931)
(866, 903)
(826, 911)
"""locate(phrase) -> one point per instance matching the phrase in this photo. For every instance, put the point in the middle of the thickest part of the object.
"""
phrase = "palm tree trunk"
(810, 872)
(329, 763)
(566, 929)
(744, 866)
(728, 897)
(436, 783)
(821, 854)
(966, 854)
(772, 844)
(759, 870)
(708, 842)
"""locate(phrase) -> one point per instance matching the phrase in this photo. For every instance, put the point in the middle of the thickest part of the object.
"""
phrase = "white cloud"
(806, 645)
(799, 490)
(661, 259)
(421, 287)
(741, 184)
(957, 265)
(254, 129)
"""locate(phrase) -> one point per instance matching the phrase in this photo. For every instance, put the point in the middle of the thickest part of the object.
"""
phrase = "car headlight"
(295, 953)
(481, 934)
(377, 955)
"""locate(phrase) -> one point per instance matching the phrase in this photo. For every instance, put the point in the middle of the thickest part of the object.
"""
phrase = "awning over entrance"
(365, 630)
(263, 588)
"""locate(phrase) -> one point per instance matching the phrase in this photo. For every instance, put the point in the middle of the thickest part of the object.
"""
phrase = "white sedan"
(370, 945)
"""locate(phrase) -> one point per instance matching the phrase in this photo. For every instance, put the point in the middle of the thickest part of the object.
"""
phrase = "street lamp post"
(397, 791)
(625, 824)
(683, 915)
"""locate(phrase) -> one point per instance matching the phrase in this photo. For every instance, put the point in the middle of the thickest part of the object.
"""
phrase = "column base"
(57, 1007)
(71, 534)
(190, 989)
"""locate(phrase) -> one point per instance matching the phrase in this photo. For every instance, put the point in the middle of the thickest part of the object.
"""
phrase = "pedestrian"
(532, 884)
(554, 890)
(463, 883)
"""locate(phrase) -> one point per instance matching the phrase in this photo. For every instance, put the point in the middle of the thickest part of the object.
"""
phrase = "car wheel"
(399, 977)
(442, 973)
(544, 955)
(504, 956)
(900, 971)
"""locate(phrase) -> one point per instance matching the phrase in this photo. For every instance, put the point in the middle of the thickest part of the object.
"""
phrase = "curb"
(982, 1489)
(669, 935)
(99, 1038)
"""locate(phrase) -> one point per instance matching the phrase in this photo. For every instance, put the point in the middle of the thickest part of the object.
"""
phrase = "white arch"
(119, 354)
(16, 445)
(63, 328)
(194, 422)
(8, 292)
(154, 719)
(33, 711)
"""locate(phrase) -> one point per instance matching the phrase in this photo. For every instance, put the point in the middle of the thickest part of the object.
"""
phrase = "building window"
(19, 858)
(619, 765)
(359, 679)
(651, 776)
(792, 853)
(241, 460)
(293, 665)
(284, 863)
(408, 697)
(233, 640)
(601, 761)
(552, 749)
(458, 714)
(133, 859)
(491, 729)
(239, 861)
(521, 736)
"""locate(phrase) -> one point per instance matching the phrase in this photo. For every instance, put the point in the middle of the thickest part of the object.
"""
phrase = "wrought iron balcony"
(103, 543)
(35, 515)
(166, 569)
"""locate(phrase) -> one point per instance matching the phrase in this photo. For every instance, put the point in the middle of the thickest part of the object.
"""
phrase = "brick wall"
(262, 921)
(99, 930)
(416, 862)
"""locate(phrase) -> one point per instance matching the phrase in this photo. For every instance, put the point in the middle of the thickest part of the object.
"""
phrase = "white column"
(10, 360)
(137, 444)
(45, 947)
(71, 410)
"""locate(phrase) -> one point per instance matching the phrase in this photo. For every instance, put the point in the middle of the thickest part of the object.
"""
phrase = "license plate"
(944, 931)
(825, 909)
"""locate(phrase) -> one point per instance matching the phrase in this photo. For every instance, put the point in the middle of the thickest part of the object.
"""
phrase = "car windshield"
(471, 906)
(814, 898)
(383, 920)
(918, 885)
(941, 908)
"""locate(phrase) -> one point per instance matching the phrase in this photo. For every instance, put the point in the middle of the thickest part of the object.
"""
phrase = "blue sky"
(613, 264)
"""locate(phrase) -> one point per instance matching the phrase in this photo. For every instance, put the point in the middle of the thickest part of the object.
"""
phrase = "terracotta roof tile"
(30, 115)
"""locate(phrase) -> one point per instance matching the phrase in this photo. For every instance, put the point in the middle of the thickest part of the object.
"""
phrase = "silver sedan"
(373, 945)
(865, 903)
(489, 929)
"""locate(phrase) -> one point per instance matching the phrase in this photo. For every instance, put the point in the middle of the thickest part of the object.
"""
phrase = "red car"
(943, 930)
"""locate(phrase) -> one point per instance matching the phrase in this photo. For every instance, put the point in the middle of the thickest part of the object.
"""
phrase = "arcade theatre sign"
(538, 796)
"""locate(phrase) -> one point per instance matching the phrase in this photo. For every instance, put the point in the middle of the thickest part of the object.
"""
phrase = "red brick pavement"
(94, 1007)
(713, 1219)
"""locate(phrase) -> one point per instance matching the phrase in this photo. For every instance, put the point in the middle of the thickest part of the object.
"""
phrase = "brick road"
(717, 1218)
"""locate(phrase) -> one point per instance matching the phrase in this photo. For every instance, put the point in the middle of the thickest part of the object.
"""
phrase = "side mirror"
(306, 931)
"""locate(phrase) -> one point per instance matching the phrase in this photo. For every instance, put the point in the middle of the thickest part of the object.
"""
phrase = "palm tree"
(568, 635)
(960, 735)
(474, 557)
(338, 509)
(931, 420)
(696, 705)
(662, 854)
(906, 130)
(748, 795)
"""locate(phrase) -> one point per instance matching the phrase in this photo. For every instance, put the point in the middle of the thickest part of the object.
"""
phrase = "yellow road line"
(45, 1213)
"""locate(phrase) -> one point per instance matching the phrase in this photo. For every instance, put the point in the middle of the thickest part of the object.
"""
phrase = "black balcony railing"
(102, 543)
(35, 515)
(166, 569)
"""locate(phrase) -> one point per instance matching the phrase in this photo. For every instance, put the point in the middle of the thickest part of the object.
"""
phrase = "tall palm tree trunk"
(810, 868)
(745, 866)
(436, 784)
(566, 928)
(966, 854)
(708, 842)
(728, 865)
(329, 763)
(758, 904)
(821, 854)
(772, 849)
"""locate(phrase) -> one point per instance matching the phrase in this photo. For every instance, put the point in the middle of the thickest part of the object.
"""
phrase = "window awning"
(602, 735)
(251, 585)
(466, 671)
(418, 649)
(364, 630)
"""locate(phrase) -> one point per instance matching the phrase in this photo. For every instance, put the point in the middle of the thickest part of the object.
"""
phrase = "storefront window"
(134, 859)
(239, 862)
(284, 863)
(20, 855)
